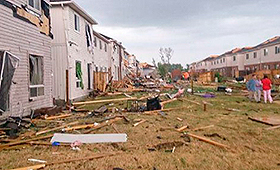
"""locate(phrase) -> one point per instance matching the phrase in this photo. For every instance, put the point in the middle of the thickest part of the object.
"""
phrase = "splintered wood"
(208, 141)
(103, 101)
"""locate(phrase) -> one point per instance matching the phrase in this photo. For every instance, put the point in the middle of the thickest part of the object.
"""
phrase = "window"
(255, 55)
(234, 58)
(77, 22)
(95, 42)
(100, 44)
(88, 36)
(277, 50)
(105, 46)
(79, 78)
(221, 61)
(36, 76)
(217, 61)
(247, 56)
(265, 52)
(224, 60)
(36, 4)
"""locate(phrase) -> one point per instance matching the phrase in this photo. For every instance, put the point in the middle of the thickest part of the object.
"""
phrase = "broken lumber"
(103, 124)
(57, 128)
(208, 141)
(24, 141)
(138, 123)
(272, 128)
(274, 121)
(168, 101)
(194, 102)
(97, 156)
(164, 110)
(200, 128)
(34, 167)
(58, 117)
(103, 101)
(182, 128)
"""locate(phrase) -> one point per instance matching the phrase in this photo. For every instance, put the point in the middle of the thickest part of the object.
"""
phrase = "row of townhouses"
(50, 52)
(242, 61)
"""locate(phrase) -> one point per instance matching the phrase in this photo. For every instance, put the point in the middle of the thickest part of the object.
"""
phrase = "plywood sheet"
(274, 121)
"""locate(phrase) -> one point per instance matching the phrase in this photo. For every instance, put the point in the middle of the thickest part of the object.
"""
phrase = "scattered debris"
(182, 128)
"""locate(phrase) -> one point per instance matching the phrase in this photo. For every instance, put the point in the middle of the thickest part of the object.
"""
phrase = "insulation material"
(89, 138)
(8, 64)
(42, 23)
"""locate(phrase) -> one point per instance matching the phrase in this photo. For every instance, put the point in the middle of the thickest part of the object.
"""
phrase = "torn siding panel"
(22, 38)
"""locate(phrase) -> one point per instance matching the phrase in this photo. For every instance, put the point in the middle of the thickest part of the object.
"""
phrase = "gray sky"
(195, 29)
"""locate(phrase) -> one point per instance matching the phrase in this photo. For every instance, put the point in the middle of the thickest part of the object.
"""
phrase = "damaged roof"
(75, 7)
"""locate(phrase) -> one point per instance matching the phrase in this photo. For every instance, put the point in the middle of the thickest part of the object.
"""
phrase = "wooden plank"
(274, 121)
(208, 141)
(272, 128)
(96, 156)
(138, 123)
(32, 167)
(56, 128)
(165, 110)
(182, 128)
(168, 101)
(58, 117)
(103, 101)
(201, 128)
(24, 141)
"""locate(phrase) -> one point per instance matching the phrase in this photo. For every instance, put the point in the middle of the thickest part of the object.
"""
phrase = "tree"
(166, 55)
(154, 63)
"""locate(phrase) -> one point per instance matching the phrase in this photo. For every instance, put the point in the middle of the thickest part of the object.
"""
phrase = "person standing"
(251, 86)
(267, 89)
(258, 89)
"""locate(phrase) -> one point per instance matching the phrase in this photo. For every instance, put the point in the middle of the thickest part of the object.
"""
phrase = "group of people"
(255, 87)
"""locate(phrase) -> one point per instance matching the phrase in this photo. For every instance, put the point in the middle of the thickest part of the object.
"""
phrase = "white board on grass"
(89, 138)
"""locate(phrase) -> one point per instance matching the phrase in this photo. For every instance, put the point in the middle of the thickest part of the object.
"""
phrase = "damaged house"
(73, 50)
(25, 57)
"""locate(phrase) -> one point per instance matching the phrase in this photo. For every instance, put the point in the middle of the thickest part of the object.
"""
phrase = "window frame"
(255, 54)
(247, 56)
(79, 22)
(265, 52)
(38, 11)
(77, 79)
(36, 86)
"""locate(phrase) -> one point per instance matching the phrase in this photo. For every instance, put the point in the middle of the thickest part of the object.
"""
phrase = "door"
(89, 77)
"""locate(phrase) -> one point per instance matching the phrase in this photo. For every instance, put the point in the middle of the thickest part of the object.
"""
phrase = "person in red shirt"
(267, 89)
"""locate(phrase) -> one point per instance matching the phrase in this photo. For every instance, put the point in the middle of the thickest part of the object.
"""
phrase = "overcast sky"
(194, 29)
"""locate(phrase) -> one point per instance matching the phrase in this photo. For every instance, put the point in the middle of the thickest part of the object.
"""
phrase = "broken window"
(265, 51)
(234, 58)
(277, 50)
(88, 36)
(79, 78)
(8, 64)
(77, 22)
(36, 4)
(36, 76)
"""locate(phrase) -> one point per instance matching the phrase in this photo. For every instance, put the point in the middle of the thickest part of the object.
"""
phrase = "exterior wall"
(261, 60)
(78, 52)
(101, 57)
(59, 51)
(22, 39)
(66, 50)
